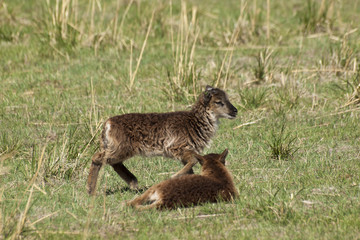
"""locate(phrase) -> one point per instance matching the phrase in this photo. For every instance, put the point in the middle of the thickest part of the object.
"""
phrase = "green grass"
(61, 77)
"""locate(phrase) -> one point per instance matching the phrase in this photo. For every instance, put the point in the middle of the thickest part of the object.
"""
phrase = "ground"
(290, 67)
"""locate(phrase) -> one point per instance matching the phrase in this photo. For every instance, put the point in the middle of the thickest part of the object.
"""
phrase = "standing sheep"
(178, 135)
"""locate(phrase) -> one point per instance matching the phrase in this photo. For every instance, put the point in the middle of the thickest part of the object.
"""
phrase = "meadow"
(290, 67)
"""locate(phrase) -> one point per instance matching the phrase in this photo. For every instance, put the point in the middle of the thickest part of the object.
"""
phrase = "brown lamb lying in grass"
(178, 135)
(213, 184)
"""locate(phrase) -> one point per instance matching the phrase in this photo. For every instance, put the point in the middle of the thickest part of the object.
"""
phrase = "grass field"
(290, 67)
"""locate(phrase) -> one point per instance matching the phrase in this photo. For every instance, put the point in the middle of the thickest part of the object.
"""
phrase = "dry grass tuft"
(183, 77)
(355, 85)
(263, 70)
(63, 27)
(133, 74)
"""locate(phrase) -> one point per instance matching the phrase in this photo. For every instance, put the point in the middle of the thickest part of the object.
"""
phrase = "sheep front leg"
(189, 160)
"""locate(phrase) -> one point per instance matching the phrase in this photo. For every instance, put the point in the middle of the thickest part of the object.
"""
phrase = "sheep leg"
(138, 203)
(189, 160)
(191, 171)
(149, 196)
(96, 163)
(140, 199)
(125, 174)
(147, 207)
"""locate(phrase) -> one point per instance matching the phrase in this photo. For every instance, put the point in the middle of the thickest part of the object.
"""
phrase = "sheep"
(213, 184)
(177, 135)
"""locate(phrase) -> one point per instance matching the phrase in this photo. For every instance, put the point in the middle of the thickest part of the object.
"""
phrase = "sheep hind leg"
(125, 174)
(96, 164)
(146, 197)
(147, 207)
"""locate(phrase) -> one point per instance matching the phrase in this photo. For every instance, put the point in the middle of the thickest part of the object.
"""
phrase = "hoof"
(90, 190)
(134, 185)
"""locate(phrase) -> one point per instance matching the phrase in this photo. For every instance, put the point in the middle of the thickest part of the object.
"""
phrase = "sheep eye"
(219, 103)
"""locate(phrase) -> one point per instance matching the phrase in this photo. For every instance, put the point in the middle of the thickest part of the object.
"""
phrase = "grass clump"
(349, 88)
(277, 212)
(253, 97)
(9, 30)
(57, 31)
(355, 87)
(183, 76)
(288, 95)
(317, 18)
(263, 70)
(7, 34)
(342, 55)
(186, 89)
(281, 142)
(64, 26)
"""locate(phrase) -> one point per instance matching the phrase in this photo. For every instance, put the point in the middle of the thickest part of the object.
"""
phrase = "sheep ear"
(208, 93)
(208, 88)
(224, 155)
(199, 158)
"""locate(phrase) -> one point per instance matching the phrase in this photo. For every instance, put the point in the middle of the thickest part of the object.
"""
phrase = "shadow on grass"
(125, 189)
